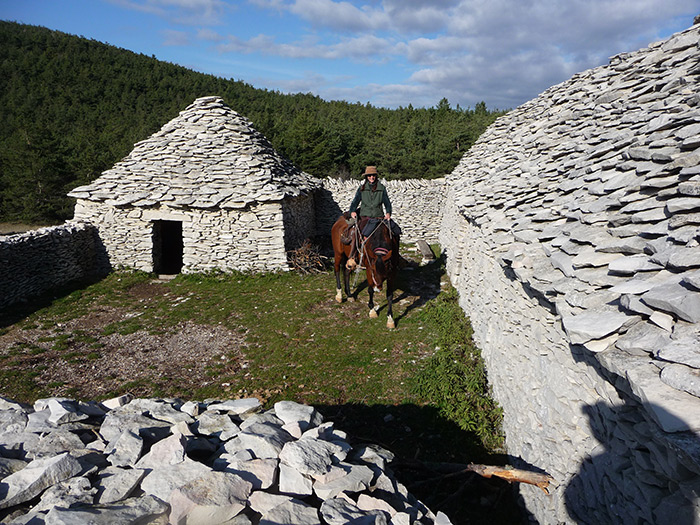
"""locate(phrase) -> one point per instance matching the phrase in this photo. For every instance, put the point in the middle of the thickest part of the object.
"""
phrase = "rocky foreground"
(165, 461)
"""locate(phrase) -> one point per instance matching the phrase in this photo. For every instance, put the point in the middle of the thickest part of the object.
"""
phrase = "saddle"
(347, 234)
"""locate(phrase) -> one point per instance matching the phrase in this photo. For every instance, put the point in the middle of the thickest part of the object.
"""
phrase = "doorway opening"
(167, 247)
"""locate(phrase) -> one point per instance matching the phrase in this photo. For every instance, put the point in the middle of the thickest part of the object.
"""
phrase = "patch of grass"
(420, 390)
(22, 386)
(454, 378)
(124, 327)
(61, 342)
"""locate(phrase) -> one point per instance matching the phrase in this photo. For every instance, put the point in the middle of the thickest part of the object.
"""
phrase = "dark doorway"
(167, 247)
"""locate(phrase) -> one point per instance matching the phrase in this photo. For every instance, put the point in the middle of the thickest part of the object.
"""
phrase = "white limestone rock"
(358, 478)
(265, 441)
(676, 299)
(146, 509)
(292, 412)
(219, 425)
(311, 457)
(126, 450)
(293, 482)
(214, 498)
(236, 406)
(292, 512)
(116, 484)
(587, 326)
(263, 502)
(160, 482)
(682, 377)
(340, 510)
(36, 477)
(168, 451)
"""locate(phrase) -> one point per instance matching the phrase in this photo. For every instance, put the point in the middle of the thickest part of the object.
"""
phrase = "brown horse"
(379, 253)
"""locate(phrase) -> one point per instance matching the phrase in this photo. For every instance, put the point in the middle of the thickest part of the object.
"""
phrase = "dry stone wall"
(36, 262)
(252, 238)
(572, 230)
(417, 205)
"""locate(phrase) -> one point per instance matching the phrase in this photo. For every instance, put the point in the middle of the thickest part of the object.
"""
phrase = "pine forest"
(71, 107)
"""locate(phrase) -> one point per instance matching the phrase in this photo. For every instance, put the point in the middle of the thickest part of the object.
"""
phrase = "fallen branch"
(487, 471)
(513, 474)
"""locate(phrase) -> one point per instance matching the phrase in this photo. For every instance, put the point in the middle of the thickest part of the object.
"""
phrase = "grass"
(420, 390)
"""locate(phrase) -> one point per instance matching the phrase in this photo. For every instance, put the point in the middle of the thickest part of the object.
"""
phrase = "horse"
(379, 254)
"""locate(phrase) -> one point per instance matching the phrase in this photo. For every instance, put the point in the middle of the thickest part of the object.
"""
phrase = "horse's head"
(382, 252)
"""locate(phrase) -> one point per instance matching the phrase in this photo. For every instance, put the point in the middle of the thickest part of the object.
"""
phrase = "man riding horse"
(370, 197)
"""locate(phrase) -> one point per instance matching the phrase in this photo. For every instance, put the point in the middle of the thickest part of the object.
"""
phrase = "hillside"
(72, 107)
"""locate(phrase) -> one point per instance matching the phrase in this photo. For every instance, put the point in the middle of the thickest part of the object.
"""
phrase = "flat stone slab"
(311, 457)
(142, 510)
(594, 325)
(215, 497)
(676, 299)
(673, 410)
(682, 378)
(36, 477)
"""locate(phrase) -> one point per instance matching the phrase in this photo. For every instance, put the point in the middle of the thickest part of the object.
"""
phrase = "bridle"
(380, 252)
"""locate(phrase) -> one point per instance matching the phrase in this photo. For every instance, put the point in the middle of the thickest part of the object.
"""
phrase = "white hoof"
(339, 296)
(372, 313)
(390, 323)
(351, 299)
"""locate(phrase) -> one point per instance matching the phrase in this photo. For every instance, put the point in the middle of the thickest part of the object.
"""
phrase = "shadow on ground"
(426, 447)
(24, 308)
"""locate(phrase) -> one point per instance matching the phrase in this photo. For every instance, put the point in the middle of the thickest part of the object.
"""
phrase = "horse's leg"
(337, 263)
(389, 299)
(372, 307)
(346, 276)
(338, 290)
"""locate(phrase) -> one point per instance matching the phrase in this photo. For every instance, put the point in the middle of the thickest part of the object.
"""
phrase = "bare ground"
(76, 358)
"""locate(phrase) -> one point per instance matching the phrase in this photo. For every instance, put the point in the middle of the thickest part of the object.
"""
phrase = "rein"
(381, 252)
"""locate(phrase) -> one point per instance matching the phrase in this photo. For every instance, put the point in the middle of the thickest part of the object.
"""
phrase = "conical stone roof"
(208, 156)
(590, 194)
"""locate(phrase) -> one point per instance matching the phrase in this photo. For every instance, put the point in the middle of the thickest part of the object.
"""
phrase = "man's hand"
(387, 216)
(353, 215)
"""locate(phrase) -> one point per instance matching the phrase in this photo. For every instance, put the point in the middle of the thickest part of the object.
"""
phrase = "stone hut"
(572, 231)
(206, 192)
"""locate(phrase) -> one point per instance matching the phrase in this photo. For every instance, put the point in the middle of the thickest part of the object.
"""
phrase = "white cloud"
(361, 49)
(209, 35)
(175, 38)
(338, 16)
(501, 51)
(185, 12)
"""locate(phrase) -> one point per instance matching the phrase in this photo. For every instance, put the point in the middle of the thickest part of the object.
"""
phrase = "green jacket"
(370, 200)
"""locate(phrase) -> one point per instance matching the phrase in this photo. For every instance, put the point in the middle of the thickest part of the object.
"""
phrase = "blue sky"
(387, 52)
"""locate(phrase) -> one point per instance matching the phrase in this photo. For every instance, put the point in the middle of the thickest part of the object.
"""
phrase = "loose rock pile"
(165, 461)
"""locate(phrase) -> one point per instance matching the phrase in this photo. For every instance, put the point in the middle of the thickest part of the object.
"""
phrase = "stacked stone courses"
(571, 230)
(417, 205)
(41, 260)
(209, 169)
